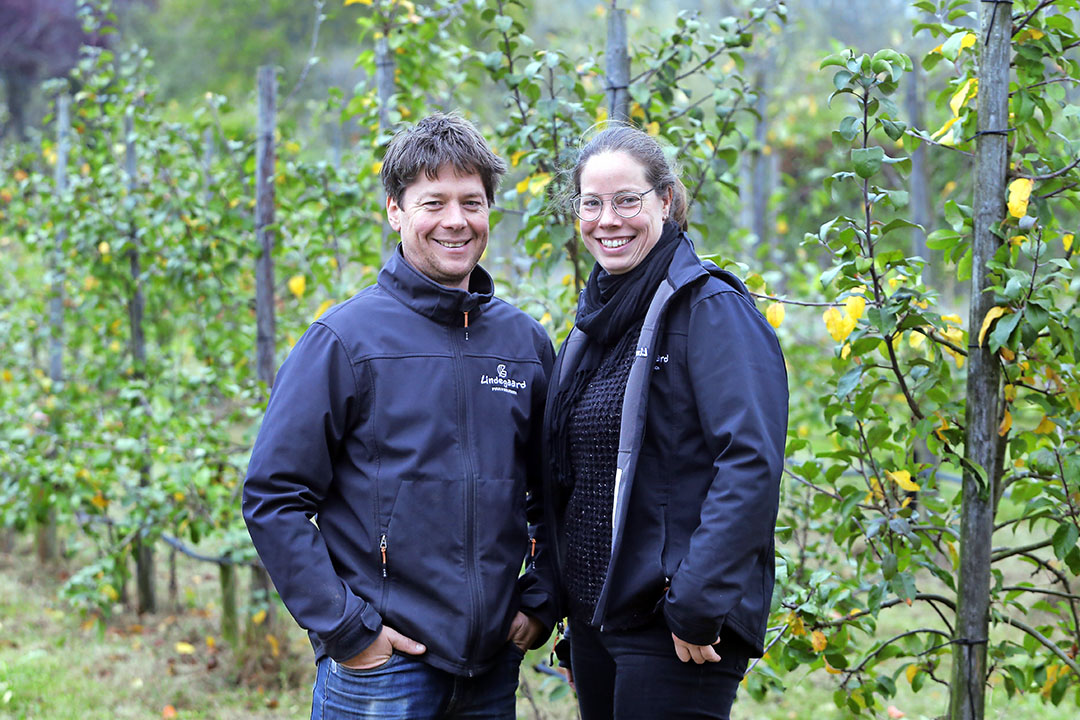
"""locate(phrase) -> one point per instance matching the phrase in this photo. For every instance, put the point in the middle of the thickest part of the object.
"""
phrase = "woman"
(667, 413)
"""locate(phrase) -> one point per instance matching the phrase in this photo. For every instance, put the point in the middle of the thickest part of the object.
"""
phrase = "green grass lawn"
(54, 665)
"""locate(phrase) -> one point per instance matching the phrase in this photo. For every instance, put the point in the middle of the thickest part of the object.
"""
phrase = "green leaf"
(841, 79)
(1064, 539)
(867, 161)
(893, 129)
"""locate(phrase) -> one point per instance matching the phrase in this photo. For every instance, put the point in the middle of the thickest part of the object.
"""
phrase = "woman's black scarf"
(609, 307)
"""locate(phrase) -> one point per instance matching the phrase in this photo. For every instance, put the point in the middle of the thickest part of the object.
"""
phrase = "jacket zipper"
(385, 594)
(475, 596)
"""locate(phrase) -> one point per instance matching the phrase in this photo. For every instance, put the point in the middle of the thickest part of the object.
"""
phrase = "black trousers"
(635, 674)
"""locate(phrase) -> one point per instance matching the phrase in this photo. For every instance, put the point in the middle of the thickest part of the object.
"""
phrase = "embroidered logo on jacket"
(502, 382)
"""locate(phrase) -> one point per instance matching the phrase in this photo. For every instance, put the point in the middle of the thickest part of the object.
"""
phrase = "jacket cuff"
(540, 605)
(355, 636)
(694, 630)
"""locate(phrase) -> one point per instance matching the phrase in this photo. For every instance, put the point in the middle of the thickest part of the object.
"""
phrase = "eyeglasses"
(626, 204)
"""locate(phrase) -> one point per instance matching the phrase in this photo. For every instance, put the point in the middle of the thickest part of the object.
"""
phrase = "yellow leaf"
(1045, 427)
(903, 479)
(210, 642)
(911, 672)
(516, 157)
(259, 618)
(944, 128)
(831, 670)
(818, 640)
(185, 648)
(275, 648)
(178, 496)
(954, 319)
(782, 227)
(967, 91)
(522, 186)
(855, 306)
(1017, 240)
(103, 247)
(1006, 354)
(845, 351)
(991, 315)
(110, 592)
(953, 555)
(376, 167)
(1010, 393)
(637, 112)
(7, 376)
(99, 501)
(969, 40)
(838, 324)
(876, 492)
(357, 2)
(1066, 242)
(796, 624)
(326, 305)
(775, 314)
(601, 113)
(546, 319)
(538, 182)
(916, 339)
(1006, 423)
(1019, 195)
(297, 285)
(653, 128)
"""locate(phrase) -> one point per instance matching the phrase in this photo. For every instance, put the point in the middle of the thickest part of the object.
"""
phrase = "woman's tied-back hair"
(435, 141)
(639, 145)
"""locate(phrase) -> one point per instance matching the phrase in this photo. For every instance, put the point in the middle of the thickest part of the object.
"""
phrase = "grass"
(55, 665)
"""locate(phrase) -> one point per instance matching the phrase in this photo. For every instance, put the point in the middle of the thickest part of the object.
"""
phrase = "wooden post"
(384, 81)
(982, 445)
(46, 540)
(618, 66)
(264, 266)
(229, 625)
(264, 236)
(144, 551)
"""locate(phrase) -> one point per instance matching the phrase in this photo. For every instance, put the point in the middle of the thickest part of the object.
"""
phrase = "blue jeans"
(406, 688)
(636, 675)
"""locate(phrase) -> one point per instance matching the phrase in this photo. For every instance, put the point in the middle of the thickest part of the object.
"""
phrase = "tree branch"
(319, 17)
(1001, 553)
(1045, 641)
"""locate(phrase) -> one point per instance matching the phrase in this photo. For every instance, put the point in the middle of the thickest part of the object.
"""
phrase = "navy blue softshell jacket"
(412, 441)
(701, 452)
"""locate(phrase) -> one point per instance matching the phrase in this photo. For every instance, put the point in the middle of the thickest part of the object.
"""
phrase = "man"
(387, 488)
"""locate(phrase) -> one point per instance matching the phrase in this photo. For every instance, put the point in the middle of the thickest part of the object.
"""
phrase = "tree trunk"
(384, 81)
(144, 550)
(264, 235)
(919, 182)
(229, 625)
(982, 445)
(46, 536)
(618, 66)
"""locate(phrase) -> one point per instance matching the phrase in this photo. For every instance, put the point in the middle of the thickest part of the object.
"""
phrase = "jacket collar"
(442, 304)
(685, 266)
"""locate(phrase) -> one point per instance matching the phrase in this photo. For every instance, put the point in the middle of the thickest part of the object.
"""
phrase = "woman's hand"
(698, 653)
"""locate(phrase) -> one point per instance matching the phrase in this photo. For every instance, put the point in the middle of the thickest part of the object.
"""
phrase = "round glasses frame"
(614, 198)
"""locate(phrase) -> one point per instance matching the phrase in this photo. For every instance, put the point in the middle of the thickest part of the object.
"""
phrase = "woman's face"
(620, 244)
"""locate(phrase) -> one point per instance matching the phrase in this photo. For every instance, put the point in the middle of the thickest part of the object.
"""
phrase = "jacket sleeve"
(314, 401)
(739, 382)
(538, 585)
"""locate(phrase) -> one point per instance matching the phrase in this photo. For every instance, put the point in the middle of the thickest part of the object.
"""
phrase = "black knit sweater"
(593, 433)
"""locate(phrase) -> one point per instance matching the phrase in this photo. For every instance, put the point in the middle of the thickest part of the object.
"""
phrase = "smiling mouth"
(453, 245)
(613, 243)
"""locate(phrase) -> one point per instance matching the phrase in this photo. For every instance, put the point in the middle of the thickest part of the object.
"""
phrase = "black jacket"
(701, 452)
(411, 441)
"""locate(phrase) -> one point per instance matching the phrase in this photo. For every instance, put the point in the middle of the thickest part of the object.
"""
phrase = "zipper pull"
(532, 553)
(382, 551)
(466, 324)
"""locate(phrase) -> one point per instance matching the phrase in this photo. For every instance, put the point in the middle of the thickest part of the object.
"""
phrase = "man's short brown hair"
(435, 141)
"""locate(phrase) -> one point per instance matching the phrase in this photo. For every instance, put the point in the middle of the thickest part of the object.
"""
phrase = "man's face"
(443, 225)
